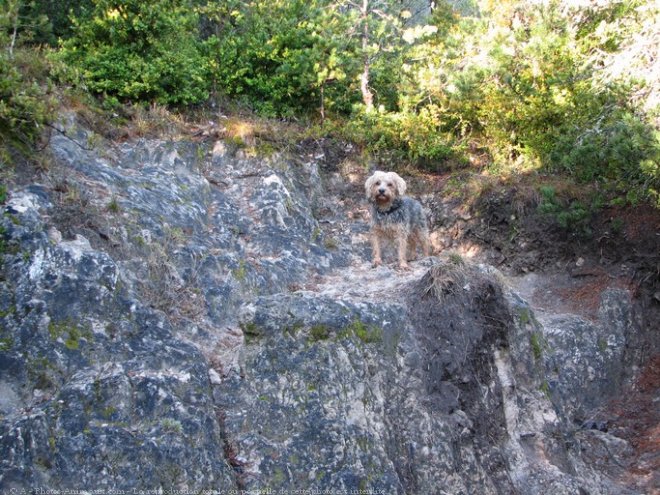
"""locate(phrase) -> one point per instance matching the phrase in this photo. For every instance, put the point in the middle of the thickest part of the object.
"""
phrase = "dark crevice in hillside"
(571, 265)
(462, 319)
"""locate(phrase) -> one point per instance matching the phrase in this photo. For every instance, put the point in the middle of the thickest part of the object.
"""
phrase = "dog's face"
(384, 187)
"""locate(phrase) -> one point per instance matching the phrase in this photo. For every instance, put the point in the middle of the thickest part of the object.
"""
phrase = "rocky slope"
(182, 315)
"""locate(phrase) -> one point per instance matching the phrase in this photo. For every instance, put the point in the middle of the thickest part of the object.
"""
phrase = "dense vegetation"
(529, 85)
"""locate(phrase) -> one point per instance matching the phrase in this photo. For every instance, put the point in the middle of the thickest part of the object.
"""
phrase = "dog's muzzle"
(381, 196)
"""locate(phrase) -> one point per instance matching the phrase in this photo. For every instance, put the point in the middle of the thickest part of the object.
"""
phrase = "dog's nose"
(381, 190)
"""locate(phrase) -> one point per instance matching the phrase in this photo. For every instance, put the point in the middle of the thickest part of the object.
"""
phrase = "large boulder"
(181, 315)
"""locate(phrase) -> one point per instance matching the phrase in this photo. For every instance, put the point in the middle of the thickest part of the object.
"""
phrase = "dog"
(395, 217)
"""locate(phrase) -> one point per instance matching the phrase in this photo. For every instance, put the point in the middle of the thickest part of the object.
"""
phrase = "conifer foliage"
(550, 85)
(139, 51)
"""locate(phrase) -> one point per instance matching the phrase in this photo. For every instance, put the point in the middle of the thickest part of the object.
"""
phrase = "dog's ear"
(377, 175)
(400, 183)
(368, 184)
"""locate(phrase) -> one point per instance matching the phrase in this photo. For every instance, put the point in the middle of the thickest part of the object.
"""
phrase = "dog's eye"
(378, 183)
(389, 184)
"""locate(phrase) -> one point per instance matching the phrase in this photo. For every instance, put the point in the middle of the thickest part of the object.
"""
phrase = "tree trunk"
(367, 95)
(14, 33)
(323, 102)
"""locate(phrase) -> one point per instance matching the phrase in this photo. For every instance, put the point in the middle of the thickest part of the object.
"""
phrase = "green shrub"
(283, 58)
(49, 20)
(21, 108)
(570, 214)
(616, 145)
(139, 51)
(525, 82)
(25, 102)
(403, 136)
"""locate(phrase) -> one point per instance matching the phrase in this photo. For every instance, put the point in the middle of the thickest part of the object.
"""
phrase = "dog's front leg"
(375, 247)
(403, 248)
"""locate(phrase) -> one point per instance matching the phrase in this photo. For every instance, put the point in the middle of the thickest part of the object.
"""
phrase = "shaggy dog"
(395, 217)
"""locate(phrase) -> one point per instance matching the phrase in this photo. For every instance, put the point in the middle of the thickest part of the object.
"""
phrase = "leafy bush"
(284, 58)
(139, 51)
(402, 136)
(544, 102)
(44, 21)
(570, 215)
(524, 83)
(618, 145)
(24, 104)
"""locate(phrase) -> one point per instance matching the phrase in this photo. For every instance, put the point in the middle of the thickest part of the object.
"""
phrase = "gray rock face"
(584, 360)
(198, 319)
(102, 393)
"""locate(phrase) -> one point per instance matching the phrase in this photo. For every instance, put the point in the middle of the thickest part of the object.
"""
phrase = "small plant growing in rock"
(368, 334)
(456, 259)
(43, 373)
(240, 273)
(331, 243)
(524, 316)
(536, 341)
(108, 412)
(113, 206)
(447, 278)
(545, 388)
(74, 334)
(171, 425)
(251, 332)
(6, 343)
(292, 330)
(319, 332)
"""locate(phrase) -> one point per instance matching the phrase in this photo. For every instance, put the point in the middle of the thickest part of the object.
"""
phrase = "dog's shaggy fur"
(395, 217)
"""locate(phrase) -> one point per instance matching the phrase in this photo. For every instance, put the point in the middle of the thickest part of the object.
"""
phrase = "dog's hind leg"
(412, 247)
(425, 241)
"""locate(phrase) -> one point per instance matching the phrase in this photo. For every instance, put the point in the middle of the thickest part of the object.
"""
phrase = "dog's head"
(384, 187)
